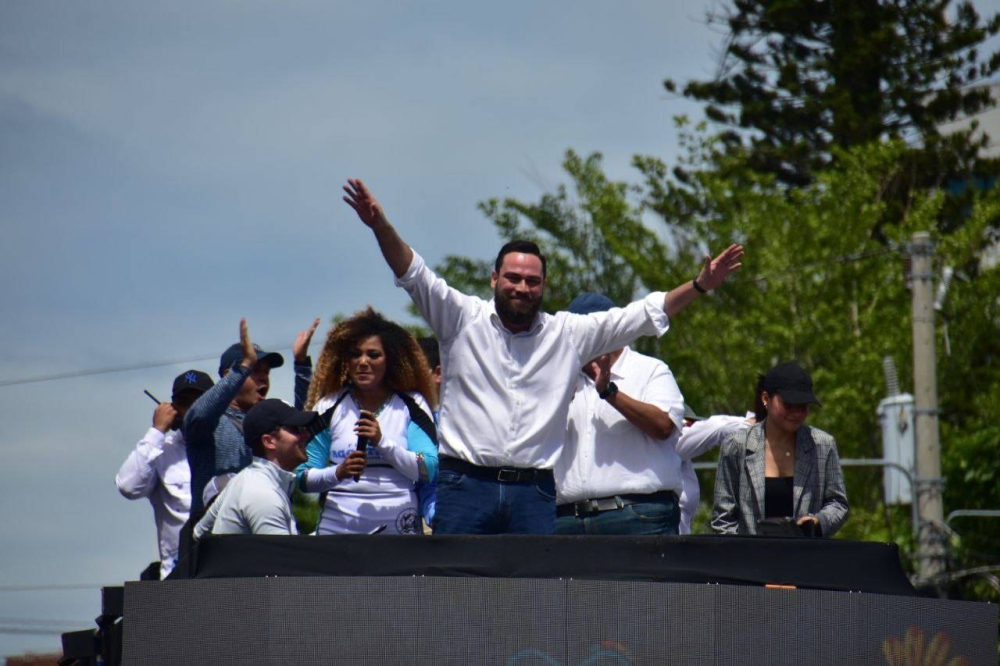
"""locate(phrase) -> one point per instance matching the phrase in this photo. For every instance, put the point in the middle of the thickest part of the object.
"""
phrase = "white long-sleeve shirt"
(158, 469)
(605, 455)
(505, 396)
(696, 439)
(384, 494)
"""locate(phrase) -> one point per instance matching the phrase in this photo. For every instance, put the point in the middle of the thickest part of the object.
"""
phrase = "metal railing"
(870, 462)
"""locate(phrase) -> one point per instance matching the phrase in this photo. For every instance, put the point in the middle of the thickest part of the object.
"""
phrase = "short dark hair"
(429, 346)
(522, 246)
(257, 448)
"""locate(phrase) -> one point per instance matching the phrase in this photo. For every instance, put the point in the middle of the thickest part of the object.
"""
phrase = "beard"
(516, 311)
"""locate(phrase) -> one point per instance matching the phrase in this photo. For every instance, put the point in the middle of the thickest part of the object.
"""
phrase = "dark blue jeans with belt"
(491, 500)
(660, 515)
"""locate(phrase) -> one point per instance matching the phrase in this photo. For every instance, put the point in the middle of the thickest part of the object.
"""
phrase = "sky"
(168, 168)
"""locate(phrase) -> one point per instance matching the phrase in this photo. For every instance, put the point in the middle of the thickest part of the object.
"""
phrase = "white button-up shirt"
(605, 455)
(696, 439)
(158, 469)
(504, 396)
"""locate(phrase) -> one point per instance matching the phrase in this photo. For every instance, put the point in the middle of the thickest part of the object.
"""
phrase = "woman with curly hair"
(374, 388)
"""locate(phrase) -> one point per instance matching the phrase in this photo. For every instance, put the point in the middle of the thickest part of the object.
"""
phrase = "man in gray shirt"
(257, 500)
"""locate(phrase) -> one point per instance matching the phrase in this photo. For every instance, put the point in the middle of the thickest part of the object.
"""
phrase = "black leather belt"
(501, 474)
(589, 507)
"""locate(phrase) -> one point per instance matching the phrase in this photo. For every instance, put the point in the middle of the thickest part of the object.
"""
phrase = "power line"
(34, 632)
(100, 371)
(38, 622)
(51, 588)
(847, 258)
(116, 368)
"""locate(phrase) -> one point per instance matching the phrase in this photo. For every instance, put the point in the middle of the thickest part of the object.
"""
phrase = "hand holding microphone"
(353, 465)
(361, 448)
(368, 432)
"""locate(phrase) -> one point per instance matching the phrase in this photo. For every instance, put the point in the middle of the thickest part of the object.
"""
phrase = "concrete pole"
(929, 486)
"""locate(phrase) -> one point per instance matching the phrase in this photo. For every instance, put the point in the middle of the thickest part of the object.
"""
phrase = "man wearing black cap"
(619, 473)
(258, 499)
(214, 424)
(158, 468)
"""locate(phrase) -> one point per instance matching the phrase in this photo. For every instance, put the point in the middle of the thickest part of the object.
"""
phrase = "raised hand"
(246, 345)
(300, 348)
(364, 204)
(715, 271)
(164, 416)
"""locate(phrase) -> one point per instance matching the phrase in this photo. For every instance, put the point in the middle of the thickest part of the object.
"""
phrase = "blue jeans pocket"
(546, 489)
(655, 512)
(449, 480)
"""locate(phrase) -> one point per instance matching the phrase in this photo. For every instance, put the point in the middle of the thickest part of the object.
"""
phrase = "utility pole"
(929, 485)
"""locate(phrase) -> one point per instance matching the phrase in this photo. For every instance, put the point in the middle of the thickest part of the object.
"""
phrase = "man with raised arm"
(213, 427)
(158, 470)
(510, 373)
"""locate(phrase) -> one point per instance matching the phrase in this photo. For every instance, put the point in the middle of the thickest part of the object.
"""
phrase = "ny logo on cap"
(190, 378)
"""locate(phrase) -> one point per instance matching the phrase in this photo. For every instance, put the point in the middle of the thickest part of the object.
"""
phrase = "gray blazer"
(739, 483)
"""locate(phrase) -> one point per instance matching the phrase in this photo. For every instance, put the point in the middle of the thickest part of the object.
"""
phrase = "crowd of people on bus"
(510, 420)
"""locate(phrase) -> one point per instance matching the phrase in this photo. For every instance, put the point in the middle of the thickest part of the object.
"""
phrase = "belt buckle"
(507, 475)
(584, 508)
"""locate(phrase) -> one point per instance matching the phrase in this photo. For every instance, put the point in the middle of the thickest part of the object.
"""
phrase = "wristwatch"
(610, 390)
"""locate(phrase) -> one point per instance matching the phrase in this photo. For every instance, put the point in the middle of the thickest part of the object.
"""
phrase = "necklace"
(376, 412)
(788, 454)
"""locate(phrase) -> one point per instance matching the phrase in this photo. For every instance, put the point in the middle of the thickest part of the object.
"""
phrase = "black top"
(778, 497)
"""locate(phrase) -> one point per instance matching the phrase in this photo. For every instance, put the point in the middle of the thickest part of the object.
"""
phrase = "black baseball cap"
(234, 355)
(269, 415)
(192, 380)
(791, 382)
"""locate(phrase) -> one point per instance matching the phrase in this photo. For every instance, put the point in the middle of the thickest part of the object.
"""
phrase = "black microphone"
(363, 443)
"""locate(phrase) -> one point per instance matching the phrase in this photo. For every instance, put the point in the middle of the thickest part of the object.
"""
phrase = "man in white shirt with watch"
(509, 374)
(619, 473)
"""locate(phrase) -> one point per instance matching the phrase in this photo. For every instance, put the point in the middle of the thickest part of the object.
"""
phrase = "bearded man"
(509, 373)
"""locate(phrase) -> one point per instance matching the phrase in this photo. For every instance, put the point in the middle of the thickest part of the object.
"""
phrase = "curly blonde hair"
(406, 367)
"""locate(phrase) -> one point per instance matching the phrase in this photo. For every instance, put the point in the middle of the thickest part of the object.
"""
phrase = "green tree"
(569, 229)
(798, 78)
(819, 288)
(969, 390)
(816, 287)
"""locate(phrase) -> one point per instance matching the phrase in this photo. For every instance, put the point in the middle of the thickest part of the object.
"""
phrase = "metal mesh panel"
(533, 622)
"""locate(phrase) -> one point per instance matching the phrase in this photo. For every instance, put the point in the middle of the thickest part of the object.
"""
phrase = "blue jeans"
(475, 505)
(647, 518)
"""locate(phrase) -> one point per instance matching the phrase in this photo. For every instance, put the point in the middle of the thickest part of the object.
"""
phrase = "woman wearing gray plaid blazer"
(781, 467)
